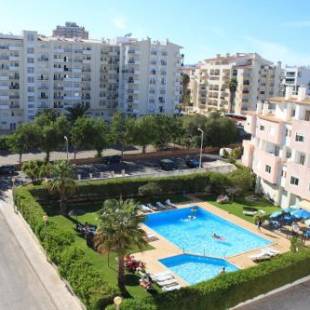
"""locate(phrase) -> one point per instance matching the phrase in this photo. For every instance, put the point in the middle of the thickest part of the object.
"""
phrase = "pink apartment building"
(279, 149)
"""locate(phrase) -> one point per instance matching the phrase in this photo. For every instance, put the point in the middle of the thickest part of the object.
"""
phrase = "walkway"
(27, 280)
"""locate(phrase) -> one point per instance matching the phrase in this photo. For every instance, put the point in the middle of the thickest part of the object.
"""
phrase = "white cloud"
(119, 22)
(297, 24)
(276, 51)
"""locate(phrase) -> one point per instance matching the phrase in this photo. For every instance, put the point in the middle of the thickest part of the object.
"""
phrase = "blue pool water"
(194, 269)
(194, 236)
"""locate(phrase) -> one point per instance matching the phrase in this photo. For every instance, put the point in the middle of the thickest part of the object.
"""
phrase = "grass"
(236, 207)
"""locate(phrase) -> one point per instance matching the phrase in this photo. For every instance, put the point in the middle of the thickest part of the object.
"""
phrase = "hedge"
(59, 244)
(230, 289)
(99, 190)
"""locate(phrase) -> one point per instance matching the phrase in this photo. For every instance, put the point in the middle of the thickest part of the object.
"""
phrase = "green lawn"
(236, 207)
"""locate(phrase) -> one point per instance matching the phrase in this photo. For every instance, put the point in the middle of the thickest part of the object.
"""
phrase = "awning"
(305, 204)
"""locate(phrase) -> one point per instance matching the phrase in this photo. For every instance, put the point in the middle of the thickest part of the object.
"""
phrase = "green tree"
(243, 178)
(62, 182)
(36, 170)
(119, 134)
(186, 92)
(164, 126)
(101, 136)
(24, 139)
(233, 83)
(119, 231)
(77, 111)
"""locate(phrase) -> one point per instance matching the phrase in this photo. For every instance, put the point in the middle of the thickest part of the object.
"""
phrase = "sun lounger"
(162, 276)
(170, 204)
(160, 205)
(145, 209)
(152, 207)
(151, 237)
(167, 282)
(271, 252)
(171, 288)
(260, 257)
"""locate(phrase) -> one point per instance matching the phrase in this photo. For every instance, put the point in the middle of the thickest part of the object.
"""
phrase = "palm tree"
(62, 182)
(233, 83)
(36, 170)
(77, 111)
(119, 231)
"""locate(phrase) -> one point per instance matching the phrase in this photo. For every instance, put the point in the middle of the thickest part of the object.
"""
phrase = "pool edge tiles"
(192, 232)
(195, 269)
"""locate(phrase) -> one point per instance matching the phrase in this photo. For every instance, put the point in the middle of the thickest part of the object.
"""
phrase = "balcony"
(303, 174)
(270, 130)
(263, 159)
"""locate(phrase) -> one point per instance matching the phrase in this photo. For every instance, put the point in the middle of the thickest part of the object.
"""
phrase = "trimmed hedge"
(129, 187)
(59, 244)
(229, 289)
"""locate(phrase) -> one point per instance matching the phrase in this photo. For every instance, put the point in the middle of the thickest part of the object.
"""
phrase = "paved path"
(295, 297)
(27, 280)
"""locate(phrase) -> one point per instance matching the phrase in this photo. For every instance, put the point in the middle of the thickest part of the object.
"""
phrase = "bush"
(230, 289)
(149, 189)
(73, 263)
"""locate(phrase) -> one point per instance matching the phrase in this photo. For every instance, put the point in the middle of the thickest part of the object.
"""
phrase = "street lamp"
(201, 145)
(67, 146)
(117, 302)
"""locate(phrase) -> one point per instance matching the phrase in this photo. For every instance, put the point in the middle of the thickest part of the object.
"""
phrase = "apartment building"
(295, 77)
(39, 72)
(70, 30)
(255, 79)
(279, 150)
(150, 80)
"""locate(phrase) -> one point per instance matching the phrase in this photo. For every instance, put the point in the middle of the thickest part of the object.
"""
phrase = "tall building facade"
(254, 77)
(39, 72)
(70, 30)
(295, 77)
(279, 150)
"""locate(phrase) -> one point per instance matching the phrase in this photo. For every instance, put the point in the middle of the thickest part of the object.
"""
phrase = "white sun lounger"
(151, 237)
(171, 288)
(260, 257)
(162, 276)
(145, 209)
(170, 204)
(160, 205)
(154, 208)
(271, 252)
(167, 282)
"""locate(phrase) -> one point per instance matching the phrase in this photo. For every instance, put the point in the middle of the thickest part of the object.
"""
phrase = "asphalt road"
(20, 287)
(294, 298)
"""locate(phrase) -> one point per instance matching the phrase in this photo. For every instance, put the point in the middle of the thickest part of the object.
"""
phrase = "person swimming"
(217, 237)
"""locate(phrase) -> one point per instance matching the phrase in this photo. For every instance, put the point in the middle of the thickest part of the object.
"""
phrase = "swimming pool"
(194, 235)
(194, 269)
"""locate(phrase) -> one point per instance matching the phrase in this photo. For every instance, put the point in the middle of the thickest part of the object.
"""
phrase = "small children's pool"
(194, 269)
(191, 229)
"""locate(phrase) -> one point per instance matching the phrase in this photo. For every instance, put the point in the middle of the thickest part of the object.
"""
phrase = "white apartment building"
(39, 72)
(279, 150)
(257, 79)
(295, 77)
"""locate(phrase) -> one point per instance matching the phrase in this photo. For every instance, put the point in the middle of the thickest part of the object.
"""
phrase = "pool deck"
(164, 248)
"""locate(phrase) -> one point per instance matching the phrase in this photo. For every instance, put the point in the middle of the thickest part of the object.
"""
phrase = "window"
(30, 50)
(294, 181)
(30, 89)
(267, 169)
(30, 70)
(30, 60)
(307, 116)
(293, 111)
(287, 132)
(30, 79)
(302, 159)
(283, 173)
(261, 127)
(299, 138)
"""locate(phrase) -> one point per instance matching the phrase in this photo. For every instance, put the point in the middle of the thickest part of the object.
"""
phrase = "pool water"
(194, 269)
(191, 230)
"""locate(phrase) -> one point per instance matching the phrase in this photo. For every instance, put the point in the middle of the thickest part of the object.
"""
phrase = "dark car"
(7, 170)
(167, 164)
(192, 163)
(115, 159)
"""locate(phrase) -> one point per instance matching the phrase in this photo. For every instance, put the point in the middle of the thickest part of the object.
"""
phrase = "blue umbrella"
(301, 214)
(276, 214)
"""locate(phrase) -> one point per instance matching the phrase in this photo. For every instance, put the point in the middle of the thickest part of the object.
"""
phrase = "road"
(20, 287)
(296, 297)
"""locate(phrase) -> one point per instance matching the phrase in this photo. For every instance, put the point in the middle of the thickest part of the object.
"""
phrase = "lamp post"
(67, 146)
(117, 301)
(201, 145)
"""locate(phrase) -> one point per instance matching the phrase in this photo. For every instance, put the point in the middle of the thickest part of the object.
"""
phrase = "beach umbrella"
(276, 214)
(301, 214)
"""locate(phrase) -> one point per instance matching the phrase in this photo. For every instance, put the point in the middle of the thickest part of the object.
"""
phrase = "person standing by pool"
(259, 223)
(223, 271)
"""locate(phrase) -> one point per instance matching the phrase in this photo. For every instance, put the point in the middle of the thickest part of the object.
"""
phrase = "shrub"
(73, 263)
(149, 189)
(218, 182)
(228, 290)
(243, 178)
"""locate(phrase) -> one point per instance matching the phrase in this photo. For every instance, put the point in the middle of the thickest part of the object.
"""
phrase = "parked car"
(115, 159)
(167, 164)
(192, 163)
(7, 170)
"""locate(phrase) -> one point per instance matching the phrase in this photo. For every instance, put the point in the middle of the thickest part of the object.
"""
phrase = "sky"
(276, 29)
